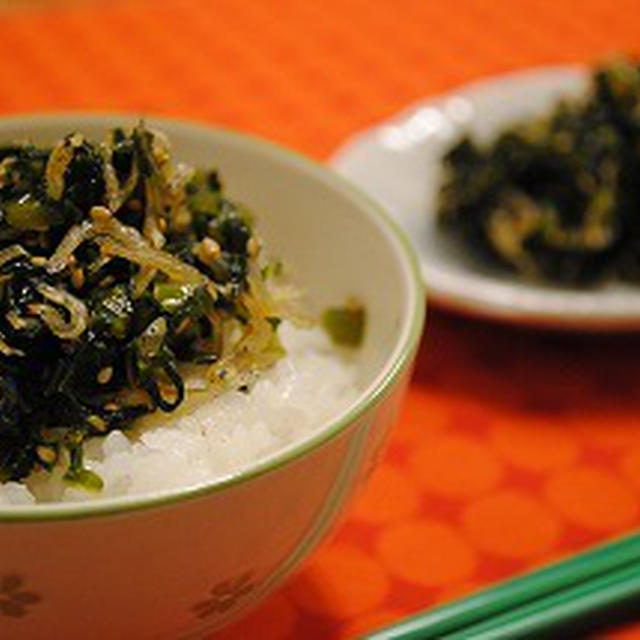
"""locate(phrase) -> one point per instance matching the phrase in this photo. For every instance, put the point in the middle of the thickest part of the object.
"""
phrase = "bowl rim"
(399, 359)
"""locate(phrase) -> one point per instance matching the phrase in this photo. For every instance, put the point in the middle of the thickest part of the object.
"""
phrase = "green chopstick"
(587, 599)
(589, 569)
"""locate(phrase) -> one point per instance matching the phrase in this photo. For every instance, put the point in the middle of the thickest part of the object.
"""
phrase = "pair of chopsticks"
(566, 593)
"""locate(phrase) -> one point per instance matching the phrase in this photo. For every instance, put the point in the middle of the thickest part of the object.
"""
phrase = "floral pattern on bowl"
(225, 595)
(15, 602)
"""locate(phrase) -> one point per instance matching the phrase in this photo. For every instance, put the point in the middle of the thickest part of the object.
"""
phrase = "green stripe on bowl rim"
(401, 357)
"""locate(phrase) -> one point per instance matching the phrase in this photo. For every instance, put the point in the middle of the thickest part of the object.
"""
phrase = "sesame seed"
(97, 422)
(208, 251)
(105, 374)
(77, 278)
(253, 246)
(100, 214)
(46, 454)
(182, 219)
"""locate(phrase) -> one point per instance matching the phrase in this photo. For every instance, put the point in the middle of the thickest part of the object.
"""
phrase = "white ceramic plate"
(398, 163)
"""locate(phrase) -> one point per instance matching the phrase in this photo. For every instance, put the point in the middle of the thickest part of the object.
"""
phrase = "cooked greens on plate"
(556, 198)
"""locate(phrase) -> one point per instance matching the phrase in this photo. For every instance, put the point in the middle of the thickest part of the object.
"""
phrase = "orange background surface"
(514, 447)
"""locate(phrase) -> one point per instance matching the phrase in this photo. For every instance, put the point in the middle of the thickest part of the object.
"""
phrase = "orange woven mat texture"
(514, 447)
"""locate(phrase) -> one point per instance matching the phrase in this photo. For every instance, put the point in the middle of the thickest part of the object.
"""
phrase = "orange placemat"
(514, 447)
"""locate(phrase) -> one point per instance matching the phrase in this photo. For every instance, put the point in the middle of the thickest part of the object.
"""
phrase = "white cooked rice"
(209, 439)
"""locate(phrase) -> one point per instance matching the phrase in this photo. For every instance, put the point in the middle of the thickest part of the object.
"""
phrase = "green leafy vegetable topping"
(116, 267)
(345, 325)
(558, 197)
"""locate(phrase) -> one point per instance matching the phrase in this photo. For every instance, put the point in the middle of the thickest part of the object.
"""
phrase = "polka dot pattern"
(427, 553)
(592, 498)
(342, 580)
(514, 447)
(511, 524)
(455, 466)
(630, 466)
(390, 496)
(534, 445)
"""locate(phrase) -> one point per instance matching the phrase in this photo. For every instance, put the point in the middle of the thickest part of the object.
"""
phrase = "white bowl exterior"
(182, 568)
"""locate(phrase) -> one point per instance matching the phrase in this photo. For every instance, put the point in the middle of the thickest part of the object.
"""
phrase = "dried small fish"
(556, 198)
(117, 270)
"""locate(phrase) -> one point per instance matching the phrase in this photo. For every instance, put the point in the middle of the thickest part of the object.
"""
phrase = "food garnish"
(117, 267)
(556, 198)
(345, 325)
